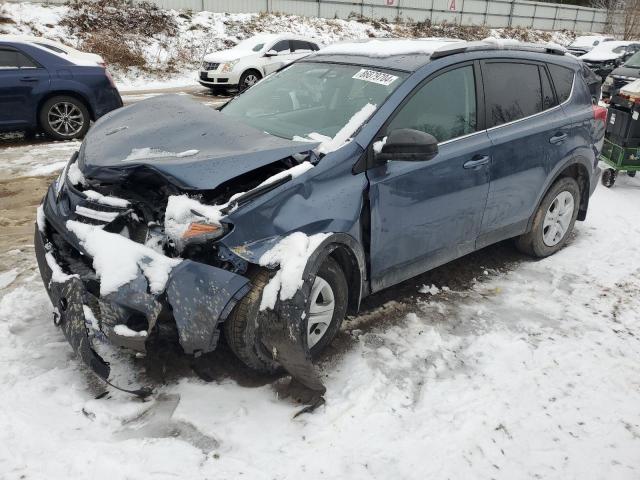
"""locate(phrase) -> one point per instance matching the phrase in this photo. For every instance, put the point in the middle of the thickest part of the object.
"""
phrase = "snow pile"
(149, 153)
(106, 199)
(75, 175)
(125, 331)
(41, 220)
(294, 171)
(57, 274)
(344, 135)
(291, 255)
(117, 260)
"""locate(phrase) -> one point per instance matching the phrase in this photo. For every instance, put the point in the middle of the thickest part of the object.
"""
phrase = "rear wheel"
(248, 79)
(326, 308)
(609, 177)
(553, 221)
(64, 118)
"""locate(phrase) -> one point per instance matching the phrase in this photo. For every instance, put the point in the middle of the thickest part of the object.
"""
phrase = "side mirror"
(271, 53)
(408, 145)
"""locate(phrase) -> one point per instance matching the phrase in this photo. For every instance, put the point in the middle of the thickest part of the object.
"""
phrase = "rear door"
(425, 213)
(529, 133)
(21, 81)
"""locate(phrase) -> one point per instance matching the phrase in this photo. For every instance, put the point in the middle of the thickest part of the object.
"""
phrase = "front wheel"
(64, 118)
(248, 79)
(553, 221)
(325, 310)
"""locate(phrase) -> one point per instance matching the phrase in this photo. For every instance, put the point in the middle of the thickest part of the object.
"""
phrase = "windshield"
(634, 61)
(313, 98)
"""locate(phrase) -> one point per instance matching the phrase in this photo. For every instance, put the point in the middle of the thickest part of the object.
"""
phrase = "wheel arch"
(577, 169)
(345, 250)
(252, 68)
(69, 93)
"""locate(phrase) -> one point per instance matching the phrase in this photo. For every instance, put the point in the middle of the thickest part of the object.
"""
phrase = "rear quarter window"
(512, 91)
(562, 78)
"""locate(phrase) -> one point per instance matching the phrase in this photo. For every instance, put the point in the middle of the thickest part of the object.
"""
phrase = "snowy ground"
(532, 372)
(204, 32)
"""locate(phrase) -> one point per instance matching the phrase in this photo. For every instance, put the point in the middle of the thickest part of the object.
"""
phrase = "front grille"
(210, 66)
(205, 76)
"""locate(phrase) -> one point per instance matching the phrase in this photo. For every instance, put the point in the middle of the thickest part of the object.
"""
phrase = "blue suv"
(345, 173)
(42, 90)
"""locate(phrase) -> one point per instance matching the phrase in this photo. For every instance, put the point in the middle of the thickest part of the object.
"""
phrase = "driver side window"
(281, 47)
(445, 107)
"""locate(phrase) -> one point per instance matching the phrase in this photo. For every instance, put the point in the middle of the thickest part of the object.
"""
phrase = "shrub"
(118, 17)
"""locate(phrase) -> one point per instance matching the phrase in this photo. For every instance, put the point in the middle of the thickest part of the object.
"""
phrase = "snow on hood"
(604, 51)
(162, 130)
(228, 55)
(587, 41)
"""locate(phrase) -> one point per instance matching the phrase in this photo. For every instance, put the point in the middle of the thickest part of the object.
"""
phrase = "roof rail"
(498, 44)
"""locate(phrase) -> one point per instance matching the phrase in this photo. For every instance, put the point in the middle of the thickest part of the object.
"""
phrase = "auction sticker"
(375, 77)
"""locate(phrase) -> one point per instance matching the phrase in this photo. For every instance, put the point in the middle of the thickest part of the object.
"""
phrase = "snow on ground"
(534, 373)
(37, 158)
(173, 61)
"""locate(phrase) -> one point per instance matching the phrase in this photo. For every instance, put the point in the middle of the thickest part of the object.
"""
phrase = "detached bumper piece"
(196, 299)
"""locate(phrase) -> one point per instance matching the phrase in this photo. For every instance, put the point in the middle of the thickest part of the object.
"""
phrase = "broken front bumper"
(196, 299)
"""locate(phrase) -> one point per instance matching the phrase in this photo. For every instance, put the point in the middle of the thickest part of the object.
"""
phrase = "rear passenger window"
(445, 107)
(25, 62)
(548, 98)
(512, 91)
(9, 59)
(563, 81)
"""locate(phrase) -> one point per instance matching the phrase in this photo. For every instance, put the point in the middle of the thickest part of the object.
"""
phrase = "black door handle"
(29, 79)
(559, 138)
(476, 161)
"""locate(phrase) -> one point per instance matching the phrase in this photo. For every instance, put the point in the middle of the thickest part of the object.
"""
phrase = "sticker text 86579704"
(375, 77)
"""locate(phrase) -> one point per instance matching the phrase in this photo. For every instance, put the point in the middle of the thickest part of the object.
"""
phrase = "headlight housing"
(229, 66)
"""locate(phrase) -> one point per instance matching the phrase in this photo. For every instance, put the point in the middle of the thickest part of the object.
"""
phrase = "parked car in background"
(57, 47)
(41, 89)
(607, 56)
(347, 172)
(245, 64)
(621, 76)
(586, 43)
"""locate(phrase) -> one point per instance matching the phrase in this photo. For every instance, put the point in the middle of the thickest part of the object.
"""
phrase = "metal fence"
(491, 13)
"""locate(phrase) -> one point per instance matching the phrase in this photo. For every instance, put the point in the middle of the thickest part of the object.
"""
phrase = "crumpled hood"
(194, 146)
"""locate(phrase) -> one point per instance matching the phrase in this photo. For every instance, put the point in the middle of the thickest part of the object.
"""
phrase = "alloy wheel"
(65, 119)
(557, 219)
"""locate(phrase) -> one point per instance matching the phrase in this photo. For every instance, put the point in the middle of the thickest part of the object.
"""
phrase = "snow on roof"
(605, 50)
(389, 47)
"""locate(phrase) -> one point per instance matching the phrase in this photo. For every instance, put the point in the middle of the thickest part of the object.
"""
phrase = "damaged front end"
(131, 256)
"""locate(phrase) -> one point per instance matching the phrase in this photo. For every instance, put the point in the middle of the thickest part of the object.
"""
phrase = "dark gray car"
(342, 174)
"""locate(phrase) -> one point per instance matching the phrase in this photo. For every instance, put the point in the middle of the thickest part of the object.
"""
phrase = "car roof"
(411, 54)
(270, 37)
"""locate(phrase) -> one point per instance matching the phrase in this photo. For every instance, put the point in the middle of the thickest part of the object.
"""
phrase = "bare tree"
(631, 19)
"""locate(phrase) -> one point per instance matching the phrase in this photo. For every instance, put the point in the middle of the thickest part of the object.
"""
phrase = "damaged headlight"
(201, 232)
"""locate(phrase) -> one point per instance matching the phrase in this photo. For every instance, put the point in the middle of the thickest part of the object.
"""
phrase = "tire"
(248, 79)
(240, 326)
(631, 174)
(551, 227)
(608, 177)
(73, 114)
